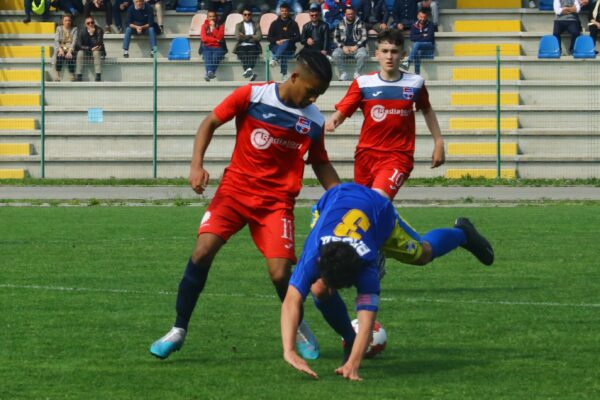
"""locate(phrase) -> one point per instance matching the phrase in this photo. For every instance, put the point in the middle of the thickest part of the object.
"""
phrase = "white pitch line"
(390, 299)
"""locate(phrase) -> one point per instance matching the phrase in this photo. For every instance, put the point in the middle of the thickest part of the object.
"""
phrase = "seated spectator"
(90, 45)
(212, 35)
(248, 47)
(374, 14)
(422, 36)
(350, 38)
(333, 12)
(73, 7)
(567, 19)
(594, 25)
(293, 4)
(260, 5)
(433, 8)
(315, 34)
(158, 9)
(64, 47)
(100, 5)
(404, 14)
(120, 6)
(282, 37)
(140, 20)
(224, 6)
(39, 7)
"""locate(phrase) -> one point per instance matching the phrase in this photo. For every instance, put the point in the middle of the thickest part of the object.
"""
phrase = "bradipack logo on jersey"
(360, 246)
(379, 112)
(408, 93)
(303, 125)
(261, 139)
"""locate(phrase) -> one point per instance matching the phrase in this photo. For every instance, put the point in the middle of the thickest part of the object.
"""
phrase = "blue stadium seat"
(180, 49)
(549, 47)
(546, 5)
(584, 47)
(187, 6)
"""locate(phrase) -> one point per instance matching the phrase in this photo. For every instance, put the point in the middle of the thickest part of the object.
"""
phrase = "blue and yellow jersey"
(360, 217)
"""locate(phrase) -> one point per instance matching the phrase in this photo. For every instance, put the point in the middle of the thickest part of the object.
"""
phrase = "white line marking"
(390, 299)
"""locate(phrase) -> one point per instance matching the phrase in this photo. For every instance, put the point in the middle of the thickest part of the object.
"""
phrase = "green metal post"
(498, 102)
(43, 116)
(267, 60)
(155, 115)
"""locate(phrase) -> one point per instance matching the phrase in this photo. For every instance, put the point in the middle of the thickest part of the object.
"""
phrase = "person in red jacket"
(212, 35)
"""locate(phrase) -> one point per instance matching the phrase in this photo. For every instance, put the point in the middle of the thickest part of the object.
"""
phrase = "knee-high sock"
(335, 313)
(444, 240)
(190, 287)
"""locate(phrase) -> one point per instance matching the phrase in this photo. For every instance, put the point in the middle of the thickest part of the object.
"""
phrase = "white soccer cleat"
(306, 342)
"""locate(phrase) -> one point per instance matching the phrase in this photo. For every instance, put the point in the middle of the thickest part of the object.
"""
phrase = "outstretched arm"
(198, 178)
(335, 120)
(327, 175)
(349, 370)
(438, 157)
(291, 310)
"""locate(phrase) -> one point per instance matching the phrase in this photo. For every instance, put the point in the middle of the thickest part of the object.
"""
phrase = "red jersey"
(272, 142)
(388, 108)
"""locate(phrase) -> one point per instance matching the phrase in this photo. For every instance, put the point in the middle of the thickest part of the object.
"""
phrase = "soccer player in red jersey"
(278, 131)
(384, 155)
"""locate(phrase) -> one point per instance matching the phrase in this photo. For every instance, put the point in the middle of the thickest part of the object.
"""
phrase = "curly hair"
(339, 264)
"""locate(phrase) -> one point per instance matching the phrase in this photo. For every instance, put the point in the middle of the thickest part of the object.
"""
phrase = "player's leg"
(220, 221)
(390, 174)
(363, 174)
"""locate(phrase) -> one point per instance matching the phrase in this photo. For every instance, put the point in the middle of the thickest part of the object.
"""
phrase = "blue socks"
(444, 240)
(190, 287)
(335, 313)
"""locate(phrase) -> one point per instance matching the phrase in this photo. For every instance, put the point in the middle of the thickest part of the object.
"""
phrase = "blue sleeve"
(368, 289)
(305, 274)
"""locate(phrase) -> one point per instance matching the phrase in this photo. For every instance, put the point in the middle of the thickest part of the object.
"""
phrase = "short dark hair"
(392, 36)
(339, 264)
(317, 63)
(284, 5)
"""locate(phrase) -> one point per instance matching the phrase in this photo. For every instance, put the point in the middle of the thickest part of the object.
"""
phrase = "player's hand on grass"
(198, 179)
(299, 363)
(439, 156)
(349, 371)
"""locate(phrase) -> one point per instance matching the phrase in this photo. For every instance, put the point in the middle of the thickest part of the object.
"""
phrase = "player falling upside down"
(383, 159)
(277, 125)
(351, 224)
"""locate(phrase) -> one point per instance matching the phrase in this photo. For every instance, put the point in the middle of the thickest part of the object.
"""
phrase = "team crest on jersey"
(303, 125)
(408, 93)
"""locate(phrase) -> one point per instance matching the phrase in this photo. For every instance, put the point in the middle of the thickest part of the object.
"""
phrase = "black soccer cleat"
(476, 243)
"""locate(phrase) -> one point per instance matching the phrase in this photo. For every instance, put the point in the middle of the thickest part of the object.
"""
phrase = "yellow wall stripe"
(19, 28)
(486, 49)
(459, 124)
(17, 124)
(12, 174)
(23, 51)
(18, 99)
(488, 26)
(488, 4)
(483, 99)
(485, 74)
(15, 149)
(20, 75)
(481, 149)
(17, 5)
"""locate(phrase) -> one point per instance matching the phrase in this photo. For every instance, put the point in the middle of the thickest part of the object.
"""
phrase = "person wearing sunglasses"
(90, 46)
(248, 47)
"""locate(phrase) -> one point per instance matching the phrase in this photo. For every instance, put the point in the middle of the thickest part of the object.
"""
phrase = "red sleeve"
(423, 99)
(317, 153)
(351, 100)
(219, 34)
(237, 102)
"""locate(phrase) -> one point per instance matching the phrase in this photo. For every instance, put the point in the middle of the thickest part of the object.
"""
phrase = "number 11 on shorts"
(288, 229)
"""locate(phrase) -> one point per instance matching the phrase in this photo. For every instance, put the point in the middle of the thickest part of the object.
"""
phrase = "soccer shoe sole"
(163, 350)
(476, 243)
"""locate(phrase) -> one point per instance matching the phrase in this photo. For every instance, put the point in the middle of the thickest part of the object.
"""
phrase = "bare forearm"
(290, 319)
(327, 175)
(433, 124)
(203, 138)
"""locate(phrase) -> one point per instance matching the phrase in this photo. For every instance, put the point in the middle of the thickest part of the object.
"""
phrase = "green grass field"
(85, 290)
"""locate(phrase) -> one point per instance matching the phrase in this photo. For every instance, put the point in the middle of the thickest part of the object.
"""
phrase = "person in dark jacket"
(100, 5)
(248, 47)
(374, 14)
(90, 45)
(283, 35)
(315, 34)
(140, 20)
(404, 14)
(422, 36)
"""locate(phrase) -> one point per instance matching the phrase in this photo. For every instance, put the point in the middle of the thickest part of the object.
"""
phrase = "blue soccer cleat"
(306, 342)
(171, 342)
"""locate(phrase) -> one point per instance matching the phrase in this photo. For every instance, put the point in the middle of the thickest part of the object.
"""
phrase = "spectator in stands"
(100, 5)
(295, 5)
(315, 34)
(120, 6)
(432, 7)
(38, 7)
(374, 14)
(404, 14)
(594, 25)
(73, 7)
(350, 38)
(333, 12)
(158, 9)
(140, 20)
(260, 5)
(248, 46)
(567, 19)
(90, 45)
(225, 6)
(212, 35)
(282, 37)
(64, 46)
(422, 36)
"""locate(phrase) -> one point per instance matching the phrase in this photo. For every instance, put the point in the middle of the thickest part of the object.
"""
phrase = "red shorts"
(382, 171)
(271, 228)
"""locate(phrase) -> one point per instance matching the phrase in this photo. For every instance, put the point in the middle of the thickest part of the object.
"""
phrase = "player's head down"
(310, 78)
(390, 49)
(339, 264)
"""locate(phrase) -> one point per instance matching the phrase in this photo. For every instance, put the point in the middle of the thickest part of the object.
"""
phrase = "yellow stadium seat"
(480, 173)
(485, 74)
(481, 149)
